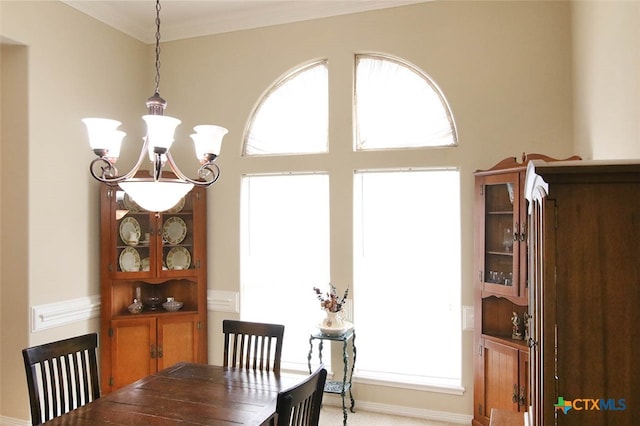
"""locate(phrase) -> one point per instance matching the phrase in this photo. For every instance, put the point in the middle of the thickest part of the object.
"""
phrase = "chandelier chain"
(157, 46)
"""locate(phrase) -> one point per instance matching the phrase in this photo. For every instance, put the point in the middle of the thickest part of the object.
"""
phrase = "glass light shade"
(208, 139)
(104, 135)
(156, 196)
(160, 130)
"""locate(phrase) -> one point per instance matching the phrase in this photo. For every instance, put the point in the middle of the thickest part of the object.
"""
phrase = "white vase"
(333, 320)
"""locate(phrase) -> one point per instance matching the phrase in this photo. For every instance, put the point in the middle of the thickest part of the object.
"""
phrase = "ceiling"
(186, 18)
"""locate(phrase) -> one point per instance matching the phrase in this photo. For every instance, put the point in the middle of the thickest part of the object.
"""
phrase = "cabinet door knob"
(515, 232)
(153, 351)
(514, 397)
(159, 351)
(523, 231)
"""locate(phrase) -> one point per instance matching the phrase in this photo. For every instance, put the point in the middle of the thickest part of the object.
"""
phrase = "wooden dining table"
(188, 394)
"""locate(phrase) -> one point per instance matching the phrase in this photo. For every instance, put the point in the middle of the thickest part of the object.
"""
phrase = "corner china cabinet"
(148, 258)
(501, 352)
(584, 291)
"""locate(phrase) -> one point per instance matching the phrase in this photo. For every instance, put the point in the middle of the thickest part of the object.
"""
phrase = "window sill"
(423, 384)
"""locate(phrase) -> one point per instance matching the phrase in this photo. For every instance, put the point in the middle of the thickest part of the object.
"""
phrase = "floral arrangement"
(330, 301)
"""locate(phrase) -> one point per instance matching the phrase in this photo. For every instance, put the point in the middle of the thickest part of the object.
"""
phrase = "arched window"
(399, 106)
(285, 215)
(405, 221)
(293, 116)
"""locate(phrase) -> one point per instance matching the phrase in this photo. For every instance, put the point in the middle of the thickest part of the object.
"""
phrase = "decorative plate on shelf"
(128, 226)
(178, 258)
(174, 230)
(131, 205)
(129, 260)
(178, 207)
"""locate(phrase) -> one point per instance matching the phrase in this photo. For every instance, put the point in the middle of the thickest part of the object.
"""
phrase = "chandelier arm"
(210, 168)
(202, 183)
(117, 179)
(107, 169)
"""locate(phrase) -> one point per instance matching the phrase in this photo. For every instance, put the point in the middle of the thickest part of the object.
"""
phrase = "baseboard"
(10, 421)
(396, 410)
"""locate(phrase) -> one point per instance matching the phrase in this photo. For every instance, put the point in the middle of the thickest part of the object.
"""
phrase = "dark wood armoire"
(584, 292)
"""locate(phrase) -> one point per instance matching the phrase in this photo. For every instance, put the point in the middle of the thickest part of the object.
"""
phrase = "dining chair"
(61, 376)
(300, 404)
(252, 345)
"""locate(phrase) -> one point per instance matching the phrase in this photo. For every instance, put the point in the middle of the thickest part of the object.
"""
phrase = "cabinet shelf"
(146, 314)
(516, 302)
(141, 245)
(507, 340)
(501, 253)
(502, 284)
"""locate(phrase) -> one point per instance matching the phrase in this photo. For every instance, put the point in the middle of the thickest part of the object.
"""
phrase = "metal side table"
(338, 387)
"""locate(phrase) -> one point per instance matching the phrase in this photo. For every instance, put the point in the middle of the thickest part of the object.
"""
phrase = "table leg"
(345, 361)
(353, 366)
(310, 353)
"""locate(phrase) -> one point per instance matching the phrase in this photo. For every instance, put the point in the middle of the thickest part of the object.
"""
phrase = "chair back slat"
(300, 404)
(252, 345)
(83, 384)
(61, 376)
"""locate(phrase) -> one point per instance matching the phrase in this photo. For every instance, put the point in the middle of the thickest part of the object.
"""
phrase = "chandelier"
(156, 191)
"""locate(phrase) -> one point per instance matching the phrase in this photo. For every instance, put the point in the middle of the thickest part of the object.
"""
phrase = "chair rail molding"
(65, 312)
(83, 308)
(223, 301)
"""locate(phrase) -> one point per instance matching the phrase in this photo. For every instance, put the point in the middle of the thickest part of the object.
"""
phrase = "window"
(407, 275)
(405, 222)
(284, 254)
(293, 116)
(398, 106)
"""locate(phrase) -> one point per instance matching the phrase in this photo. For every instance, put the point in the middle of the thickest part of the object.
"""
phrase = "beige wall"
(70, 67)
(13, 224)
(498, 63)
(505, 67)
(606, 39)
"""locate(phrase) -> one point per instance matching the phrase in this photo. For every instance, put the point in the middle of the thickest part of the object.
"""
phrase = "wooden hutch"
(151, 256)
(501, 351)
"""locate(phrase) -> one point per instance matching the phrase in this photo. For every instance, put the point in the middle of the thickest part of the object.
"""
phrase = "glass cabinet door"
(500, 274)
(176, 239)
(149, 244)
